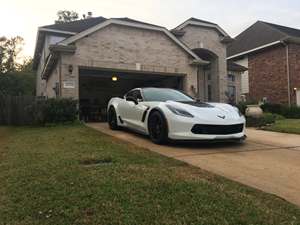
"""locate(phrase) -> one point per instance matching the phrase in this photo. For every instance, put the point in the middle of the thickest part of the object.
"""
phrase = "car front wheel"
(157, 126)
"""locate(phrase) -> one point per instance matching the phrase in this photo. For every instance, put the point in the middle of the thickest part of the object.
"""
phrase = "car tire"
(112, 119)
(157, 127)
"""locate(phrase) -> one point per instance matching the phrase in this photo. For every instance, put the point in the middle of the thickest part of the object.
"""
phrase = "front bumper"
(180, 128)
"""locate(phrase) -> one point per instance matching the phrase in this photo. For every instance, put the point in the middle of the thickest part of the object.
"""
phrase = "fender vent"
(217, 129)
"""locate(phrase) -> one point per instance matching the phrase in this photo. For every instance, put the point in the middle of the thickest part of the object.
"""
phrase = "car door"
(132, 113)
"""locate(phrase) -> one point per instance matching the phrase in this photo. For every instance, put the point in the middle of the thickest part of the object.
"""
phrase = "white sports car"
(167, 114)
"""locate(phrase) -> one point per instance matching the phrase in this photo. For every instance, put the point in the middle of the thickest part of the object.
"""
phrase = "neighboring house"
(94, 59)
(272, 55)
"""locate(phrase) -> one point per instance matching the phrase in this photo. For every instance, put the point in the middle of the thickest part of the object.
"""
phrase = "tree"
(9, 50)
(65, 16)
(26, 65)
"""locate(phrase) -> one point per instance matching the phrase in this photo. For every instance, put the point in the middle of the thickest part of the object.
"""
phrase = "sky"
(23, 17)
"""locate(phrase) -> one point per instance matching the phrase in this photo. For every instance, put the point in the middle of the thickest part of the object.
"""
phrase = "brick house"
(94, 59)
(272, 55)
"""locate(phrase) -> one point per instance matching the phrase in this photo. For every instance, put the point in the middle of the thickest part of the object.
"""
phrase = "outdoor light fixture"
(295, 89)
(114, 78)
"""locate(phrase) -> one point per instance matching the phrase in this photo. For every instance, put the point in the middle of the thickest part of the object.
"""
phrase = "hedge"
(49, 111)
(291, 112)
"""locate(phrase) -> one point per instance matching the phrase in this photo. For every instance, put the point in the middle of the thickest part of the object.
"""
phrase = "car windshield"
(164, 94)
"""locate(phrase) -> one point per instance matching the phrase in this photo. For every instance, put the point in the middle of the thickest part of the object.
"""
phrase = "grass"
(75, 175)
(285, 126)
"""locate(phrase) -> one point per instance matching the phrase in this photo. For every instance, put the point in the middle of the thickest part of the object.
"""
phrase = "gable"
(202, 23)
(128, 45)
(130, 24)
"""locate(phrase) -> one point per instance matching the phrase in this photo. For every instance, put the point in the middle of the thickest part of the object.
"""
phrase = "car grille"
(217, 129)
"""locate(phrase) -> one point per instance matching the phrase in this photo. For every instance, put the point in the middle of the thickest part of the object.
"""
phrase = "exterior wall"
(126, 48)
(294, 62)
(206, 38)
(245, 75)
(51, 82)
(41, 88)
(268, 75)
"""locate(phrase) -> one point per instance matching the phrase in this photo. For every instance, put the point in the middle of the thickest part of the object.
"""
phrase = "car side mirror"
(132, 99)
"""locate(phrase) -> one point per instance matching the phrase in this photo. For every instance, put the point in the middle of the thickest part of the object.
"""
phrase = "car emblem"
(222, 117)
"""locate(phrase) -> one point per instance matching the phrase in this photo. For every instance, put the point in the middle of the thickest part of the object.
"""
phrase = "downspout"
(288, 72)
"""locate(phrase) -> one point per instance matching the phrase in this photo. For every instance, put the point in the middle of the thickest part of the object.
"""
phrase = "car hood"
(208, 111)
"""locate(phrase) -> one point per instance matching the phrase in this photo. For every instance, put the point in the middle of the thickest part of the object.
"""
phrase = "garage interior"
(98, 86)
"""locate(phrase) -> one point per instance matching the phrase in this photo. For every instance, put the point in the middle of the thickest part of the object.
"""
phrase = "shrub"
(266, 119)
(292, 112)
(242, 106)
(46, 111)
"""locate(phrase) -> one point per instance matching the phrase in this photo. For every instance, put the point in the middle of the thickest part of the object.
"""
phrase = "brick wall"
(121, 47)
(294, 58)
(207, 38)
(267, 75)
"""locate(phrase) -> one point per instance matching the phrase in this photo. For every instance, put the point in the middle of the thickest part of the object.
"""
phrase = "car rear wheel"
(112, 119)
(157, 126)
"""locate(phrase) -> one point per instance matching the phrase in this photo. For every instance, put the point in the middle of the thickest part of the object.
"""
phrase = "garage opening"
(98, 86)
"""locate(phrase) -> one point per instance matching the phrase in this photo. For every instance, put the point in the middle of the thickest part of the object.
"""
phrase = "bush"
(292, 112)
(242, 106)
(45, 111)
(266, 119)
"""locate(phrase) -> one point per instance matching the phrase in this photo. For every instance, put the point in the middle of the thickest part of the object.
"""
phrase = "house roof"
(201, 21)
(76, 26)
(258, 36)
(232, 66)
(126, 19)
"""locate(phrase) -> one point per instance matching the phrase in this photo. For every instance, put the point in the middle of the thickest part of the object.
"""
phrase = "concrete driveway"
(268, 161)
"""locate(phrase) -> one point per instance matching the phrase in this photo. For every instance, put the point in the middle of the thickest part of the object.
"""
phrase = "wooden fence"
(15, 110)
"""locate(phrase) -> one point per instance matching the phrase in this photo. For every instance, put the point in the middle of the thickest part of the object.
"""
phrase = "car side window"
(137, 95)
(129, 94)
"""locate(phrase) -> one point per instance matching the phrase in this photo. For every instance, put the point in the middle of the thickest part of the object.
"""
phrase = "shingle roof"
(201, 21)
(232, 66)
(126, 19)
(81, 25)
(78, 25)
(260, 34)
(292, 32)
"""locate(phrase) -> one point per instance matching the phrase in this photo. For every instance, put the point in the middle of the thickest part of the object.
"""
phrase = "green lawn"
(46, 179)
(286, 126)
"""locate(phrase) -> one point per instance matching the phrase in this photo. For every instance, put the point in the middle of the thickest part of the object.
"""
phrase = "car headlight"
(238, 111)
(178, 111)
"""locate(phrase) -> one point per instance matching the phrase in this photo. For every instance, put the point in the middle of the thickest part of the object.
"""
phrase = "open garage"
(98, 86)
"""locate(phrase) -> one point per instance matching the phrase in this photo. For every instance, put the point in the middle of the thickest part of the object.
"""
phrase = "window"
(231, 77)
(165, 94)
(136, 94)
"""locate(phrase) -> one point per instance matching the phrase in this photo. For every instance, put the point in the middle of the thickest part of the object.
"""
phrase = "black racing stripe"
(198, 104)
(145, 114)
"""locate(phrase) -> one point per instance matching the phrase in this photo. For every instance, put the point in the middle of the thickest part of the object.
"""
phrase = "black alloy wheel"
(157, 127)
